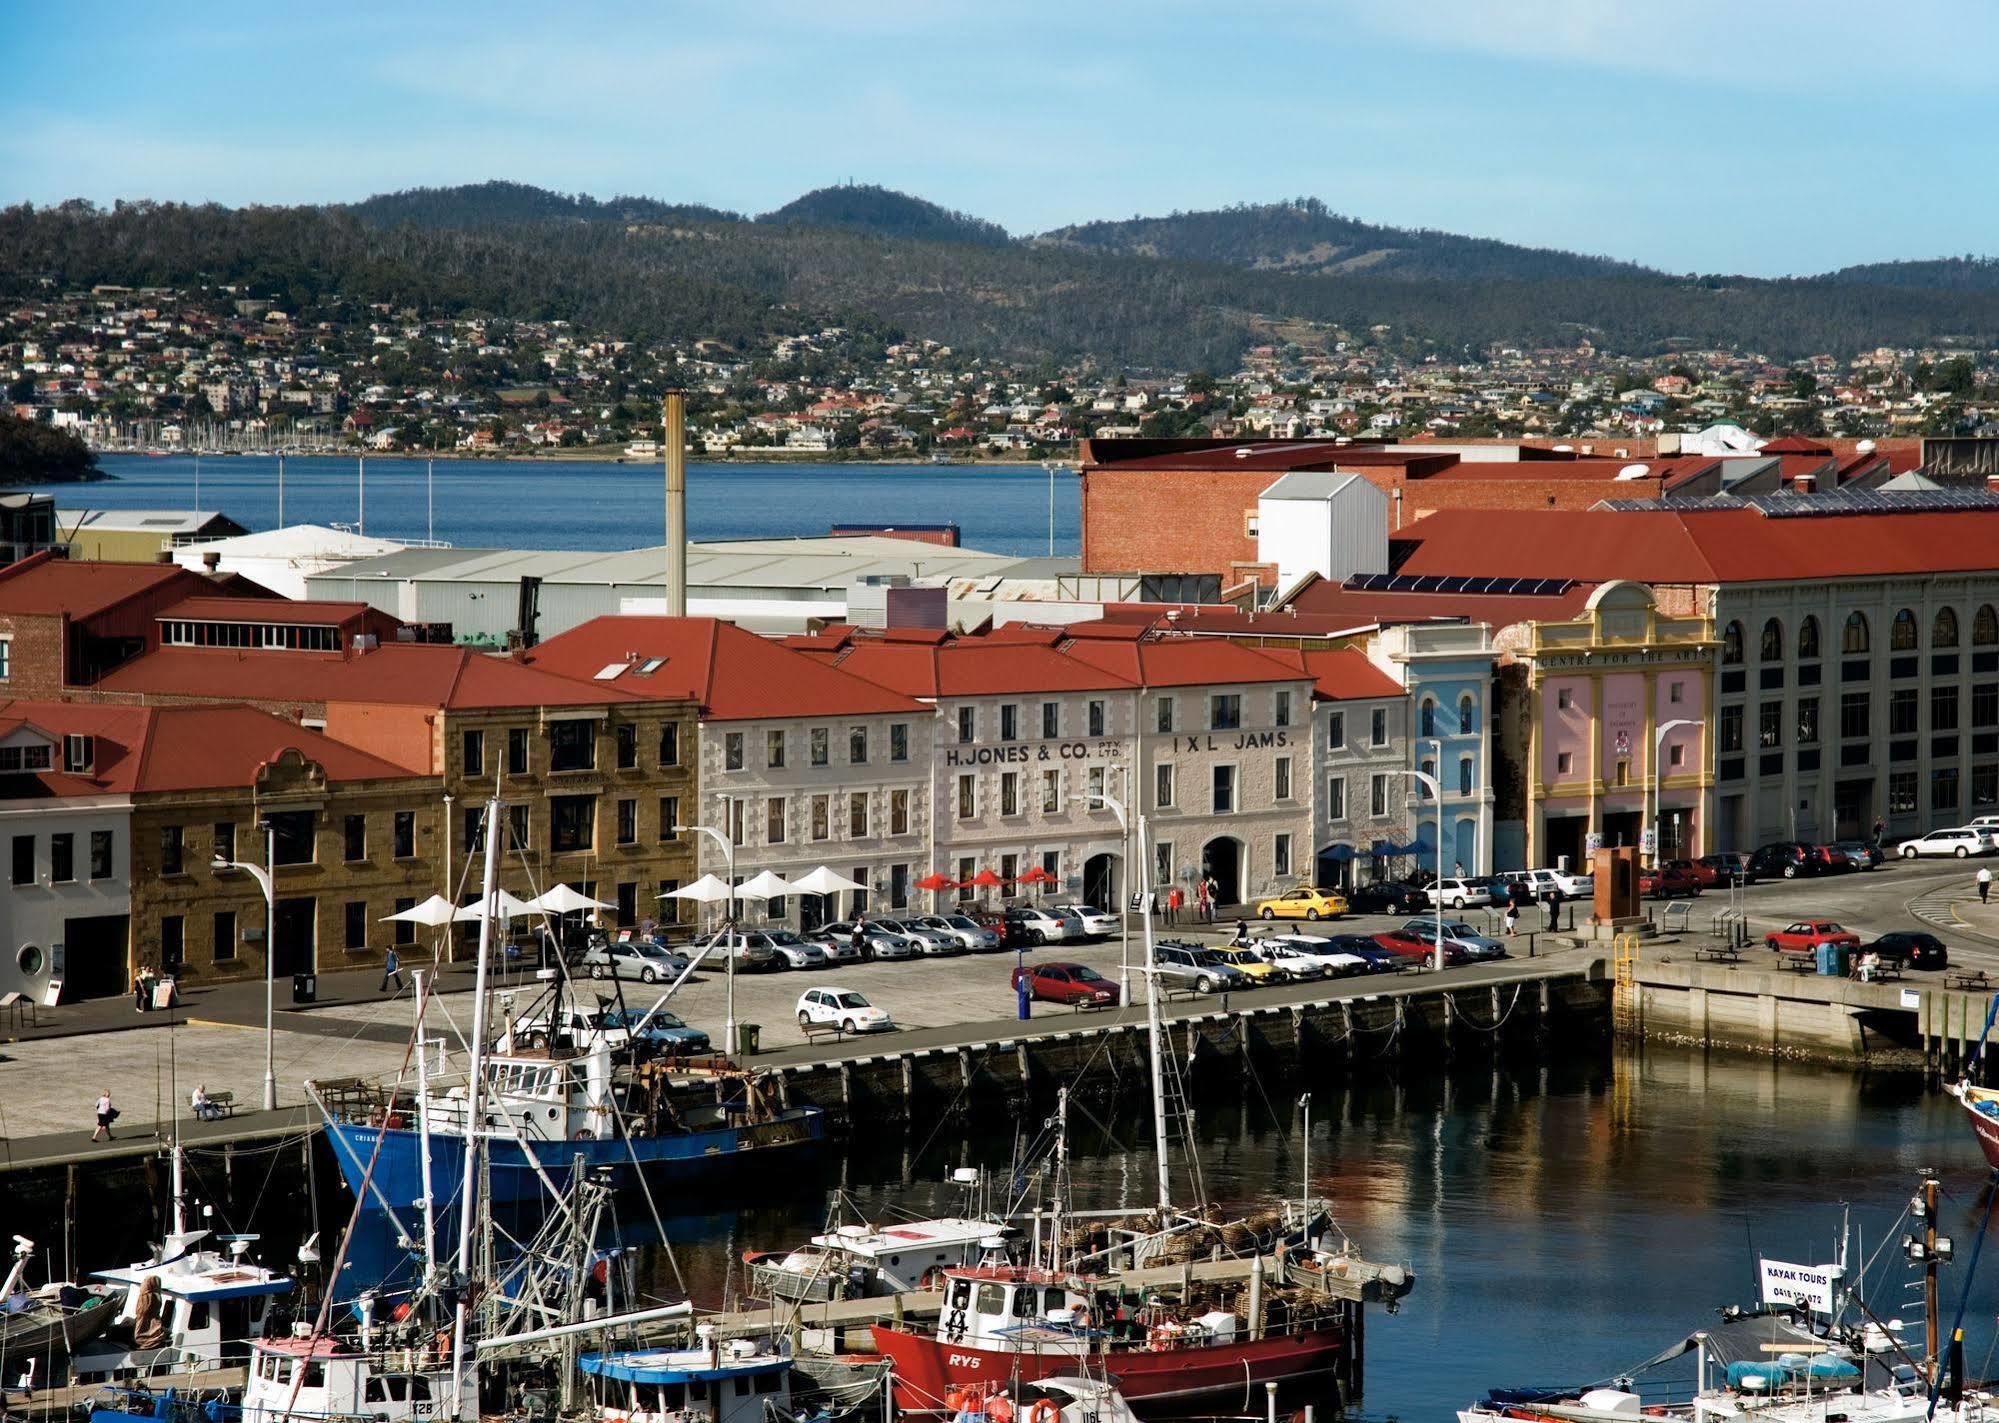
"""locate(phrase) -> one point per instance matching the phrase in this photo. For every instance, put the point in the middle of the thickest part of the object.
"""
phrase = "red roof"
(1182, 661)
(1339, 674)
(975, 667)
(264, 610)
(734, 675)
(47, 585)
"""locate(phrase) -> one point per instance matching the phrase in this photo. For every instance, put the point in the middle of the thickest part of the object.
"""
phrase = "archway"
(1465, 847)
(1101, 882)
(1222, 861)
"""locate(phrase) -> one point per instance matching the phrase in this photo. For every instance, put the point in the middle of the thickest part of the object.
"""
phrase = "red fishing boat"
(1981, 1104)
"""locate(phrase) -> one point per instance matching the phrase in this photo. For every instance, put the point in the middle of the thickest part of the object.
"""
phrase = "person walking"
(1984, 885)
(1554, 909)
(860, 939)
(1512, 917)
(106, 1115)
(392, 968)
(1201, 902)
(1214, 897)
(1174, 899)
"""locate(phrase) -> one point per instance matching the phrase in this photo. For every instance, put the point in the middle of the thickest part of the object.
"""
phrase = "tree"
(34, 453)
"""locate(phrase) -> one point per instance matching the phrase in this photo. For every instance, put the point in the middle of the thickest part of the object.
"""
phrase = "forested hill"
(648, 270)
(1945, 274)
(864, 208)
(1306, 236)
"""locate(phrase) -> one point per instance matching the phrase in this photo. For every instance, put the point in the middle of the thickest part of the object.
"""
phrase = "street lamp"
(1052, 466)
(1112, 804)
(1659, 781)
(262, 875)
(1437, 891)
(728, 923)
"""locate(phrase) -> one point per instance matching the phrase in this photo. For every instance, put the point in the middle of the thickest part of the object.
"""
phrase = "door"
(1221, 861)
(94, 952)
(1853, 810)
(1100, 882)
(297, 928)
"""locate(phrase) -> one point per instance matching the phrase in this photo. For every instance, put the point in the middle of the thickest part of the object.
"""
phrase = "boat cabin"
(864, 1261)
(717, 1381)
(319, 1378)
(192, 1309)
(548, 1098)
(1012, 1308)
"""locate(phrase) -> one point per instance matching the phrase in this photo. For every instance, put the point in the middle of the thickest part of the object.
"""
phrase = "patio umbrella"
(564, 900)
(707, 889)
(985, 879)
(824, 881)
(432, 913)
(1037, 875)
(764, 886)
(937, 881)
(504, 906)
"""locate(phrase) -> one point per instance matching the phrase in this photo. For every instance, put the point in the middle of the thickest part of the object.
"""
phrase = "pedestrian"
(142, 989)
(860, 938)
(106, 1115)
(1984, 885)
(1458, 869)
(1214, 897)
(1512, 917)
(1173, 901)
(1554, 909)
(1201, 902)
(392, 967)
(1241, 939)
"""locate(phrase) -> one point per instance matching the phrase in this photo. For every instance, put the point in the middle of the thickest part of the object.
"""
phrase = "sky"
(1768, 137)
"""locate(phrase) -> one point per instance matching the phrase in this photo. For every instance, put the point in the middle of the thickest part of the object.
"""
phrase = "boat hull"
(1985, 1128)
(26, 1337)
(926, 1369)
(516, 1169)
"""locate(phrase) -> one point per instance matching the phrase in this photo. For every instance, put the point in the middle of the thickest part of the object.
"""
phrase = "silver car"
(634, 958)
(969, 931)
(1096, 923)
(881, 943)
(938, 943)
(1185, 965)
(1458, 934)
(750, 950)
(791, 950)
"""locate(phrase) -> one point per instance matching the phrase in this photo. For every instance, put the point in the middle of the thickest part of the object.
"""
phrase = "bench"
(223, 1103)
(1800, 963)
(814, 1031)
(1717, 953)
(1971, 978)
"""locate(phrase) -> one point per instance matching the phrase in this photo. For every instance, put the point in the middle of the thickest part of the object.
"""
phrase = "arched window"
(1429, 719)
(1984, 627)
(1772, 649)
(1428, 768)
(1943, 632)
(1731, 645)
(1853, 638)
(1466, 715)
(1464, 775)
(1902, 632)
(1808, 640)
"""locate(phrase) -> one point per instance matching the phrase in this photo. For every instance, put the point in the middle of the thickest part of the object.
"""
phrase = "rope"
(1468, 1020)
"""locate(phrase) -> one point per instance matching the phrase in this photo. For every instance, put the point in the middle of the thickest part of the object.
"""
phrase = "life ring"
(1044, 1411)
(999, 1408)
(954, 1401)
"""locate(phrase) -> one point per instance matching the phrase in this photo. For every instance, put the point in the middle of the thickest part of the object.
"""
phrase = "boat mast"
(1153, 1033)
(1931, 1351)
(488, 893)
(1061, 1177)
(423, 1134)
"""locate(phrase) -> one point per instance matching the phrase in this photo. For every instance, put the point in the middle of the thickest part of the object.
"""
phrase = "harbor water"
(562, 504)
(1565, 1220)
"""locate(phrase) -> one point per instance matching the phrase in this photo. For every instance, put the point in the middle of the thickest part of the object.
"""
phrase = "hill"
(503, 204)
(865, 208)
(1944, 274)
(1307, 237)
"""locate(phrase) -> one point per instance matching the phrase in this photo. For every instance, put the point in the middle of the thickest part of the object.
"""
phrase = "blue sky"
(1759, 136)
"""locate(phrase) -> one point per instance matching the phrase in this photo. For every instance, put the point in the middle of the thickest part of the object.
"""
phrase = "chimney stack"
(673, 437)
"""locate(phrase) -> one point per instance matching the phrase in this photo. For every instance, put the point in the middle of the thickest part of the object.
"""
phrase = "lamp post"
(1429, 781)
(1659, 781)
(728, 923)
(262, 875)
(1116, 808)
(1052, 466)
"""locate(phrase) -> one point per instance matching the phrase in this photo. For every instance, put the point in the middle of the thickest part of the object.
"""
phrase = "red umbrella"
(1037, 875)
(985, 879)
(936, 881)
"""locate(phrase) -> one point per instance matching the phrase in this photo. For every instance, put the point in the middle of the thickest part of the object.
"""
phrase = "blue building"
(1448, 671)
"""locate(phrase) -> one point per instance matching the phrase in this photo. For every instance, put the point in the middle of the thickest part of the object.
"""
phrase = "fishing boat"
(398, 1381)
(1981, 1105)
(188, 1309)
(871, 1259)
(54, 1319)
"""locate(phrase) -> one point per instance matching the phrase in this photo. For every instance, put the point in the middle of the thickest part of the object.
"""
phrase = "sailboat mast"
(1155, 1048)
(489, 891)
(423, 1134)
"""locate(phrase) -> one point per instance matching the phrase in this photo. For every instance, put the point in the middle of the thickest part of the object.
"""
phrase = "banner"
(1807, 1285)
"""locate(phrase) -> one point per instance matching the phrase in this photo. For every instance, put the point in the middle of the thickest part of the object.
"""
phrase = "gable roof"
(1181, 661)
(44, 584)
(976, 666)
(1339, 674)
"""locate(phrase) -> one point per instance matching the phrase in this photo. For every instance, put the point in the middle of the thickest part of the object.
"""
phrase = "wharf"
(59, 1402)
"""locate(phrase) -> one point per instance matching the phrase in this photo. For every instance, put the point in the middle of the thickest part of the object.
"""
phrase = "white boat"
(304, 1377)
(716, 1381)
(187, 1309)
(869, 1261)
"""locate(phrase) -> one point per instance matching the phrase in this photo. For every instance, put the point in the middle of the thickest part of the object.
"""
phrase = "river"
(1564, 1221)
(595, 505)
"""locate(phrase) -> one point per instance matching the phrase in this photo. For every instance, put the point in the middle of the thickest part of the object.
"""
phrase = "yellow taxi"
(1245, 961)
(1303, 904)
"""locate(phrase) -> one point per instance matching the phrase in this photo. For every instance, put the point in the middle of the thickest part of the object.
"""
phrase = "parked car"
(1865, 854)
(752, 950)
(1805, 935)
(880, 943)
(937, 943)
(1184, 965)
(841, 1008)
(641, 959)
(1729, 866)
(1303, 903)
(787, 949)
(1564, 883)
(1013, 927)
(1458, 893)
(1097, 923)
(1420, 948)
(1699, 871)
(1246, 962)
(1666, 881)
(662, 1033)
(970, 932)
(1476, 947)
(1072, 983)
(1784, 859)
(1984, 822)
(837, 948)
(1051, 926)
(1384, 897)
(1833, 861)
(1962, 841)
(1909, 948)
(1302, 957)
(1363, 947)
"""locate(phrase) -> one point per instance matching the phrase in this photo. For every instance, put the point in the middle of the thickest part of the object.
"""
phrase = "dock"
(58, 1402)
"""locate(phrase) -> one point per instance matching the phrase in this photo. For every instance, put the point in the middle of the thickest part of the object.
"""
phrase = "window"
(1377, 796)
(1336, 798)
(225, 839)
(857, 746)
(822, 817)
(1853, 637)
(1902, 712)
(1224, 711)
(62, 857)
(405, 931)
(1166, 713)
(734, 812)
(1222, 794)
(475, 829)
(517, 750)
(1336, 730)
(1854, 710)
(1770, 725)
(669, 816)
(1984, 785)
(572, 822)
(967, 867)
(1771, 649)
(173, 941)
(774, 820)
(572, 746)
(403, 835)
(1731, 729)
(1093, 786)
(100, 854)
(1902, 632)
(1564, 698)
(1009, 722)
(1676, 692)
(1426, 720)
(857, 816)
(1676, 755)
(1464, 775)
(669, 743)
(628, 905)
(774, 749)
(1565, 761)
(1281, 714)
(6, 658)
(628, 822)
(517, 827)
(1943, 709)
(1377, 729)
(1731, 645)
(1051, 720)
(1051, 792)
(1984, 627)
(968, 797)
(472, 752)
(172, 851)
(223, 931)
(1467, 715)
(820, 744)
(1280, 855)
(1162, 864)
(732, 750)
(1009, 792)
(898, 741)
(628, 746)
(968, 723)
(79, 754)
(1162, 786)
(1429, 768)
(1943, 632)
(24, 859)
(356, 925)
(898, 812)
(1281, 777)
(1808, 721)
(1985, 704)
(1943, 788)
(1096, 718)
(1901, 792)
(1808, 639)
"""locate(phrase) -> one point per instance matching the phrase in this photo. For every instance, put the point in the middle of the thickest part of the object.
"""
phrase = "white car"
(937, 943)
(1302, 956)
(841, 1008)
(1096, 923)
(1962, 841)
(971, 933)
(1053, 925)
(1458, 893)
(836, 950)
(1568, 886)
(634, 958)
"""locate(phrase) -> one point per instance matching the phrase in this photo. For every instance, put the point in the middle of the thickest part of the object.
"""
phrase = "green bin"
(749, 1038)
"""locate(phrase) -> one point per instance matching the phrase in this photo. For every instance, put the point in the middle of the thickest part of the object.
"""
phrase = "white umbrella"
(764, 886)
(564, 900)
(433, 912)
(505, 906)
(824, 881)
(707, 889)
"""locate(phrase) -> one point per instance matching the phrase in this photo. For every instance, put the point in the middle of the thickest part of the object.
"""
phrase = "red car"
(1072, 983)
(1704, 874)
(1807, 934)
(1667, 881)
(1396, 942)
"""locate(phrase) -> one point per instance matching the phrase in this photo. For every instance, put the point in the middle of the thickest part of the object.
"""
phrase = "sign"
(1592, 842)
(1807, 1285)
(1912, 998)
(1648, 842)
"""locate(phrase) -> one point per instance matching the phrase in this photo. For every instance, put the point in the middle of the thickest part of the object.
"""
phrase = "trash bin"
(305, 988)
(749, 1038)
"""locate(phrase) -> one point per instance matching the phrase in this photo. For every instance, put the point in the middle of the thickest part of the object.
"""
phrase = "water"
(592, 505)
(1565, 1222)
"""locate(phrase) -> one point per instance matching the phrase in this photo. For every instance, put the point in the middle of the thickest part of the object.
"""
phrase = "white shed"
(1323, 522)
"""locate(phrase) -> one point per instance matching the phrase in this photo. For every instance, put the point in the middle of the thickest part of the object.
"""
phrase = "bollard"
(1024, 992)
(1270, 1403)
